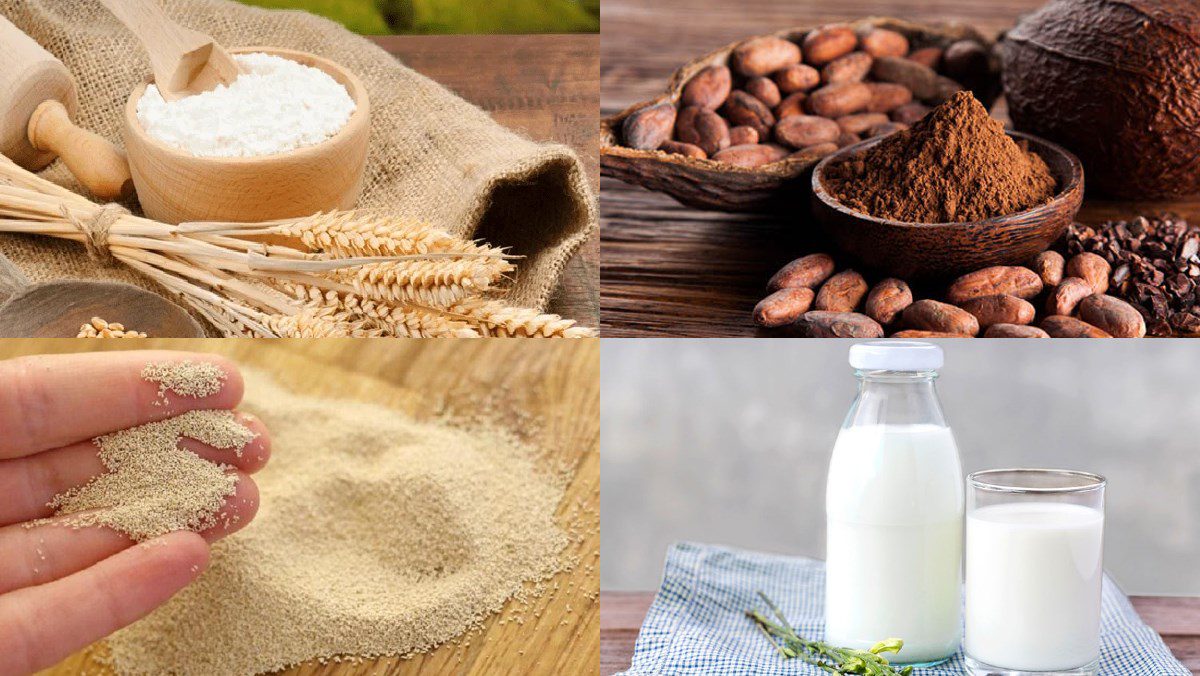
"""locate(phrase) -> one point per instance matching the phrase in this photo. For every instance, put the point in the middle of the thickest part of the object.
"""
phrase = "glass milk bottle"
(894, 510)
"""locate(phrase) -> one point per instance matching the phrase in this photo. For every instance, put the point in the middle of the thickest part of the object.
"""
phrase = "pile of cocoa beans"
(777, 98)
(996, 302)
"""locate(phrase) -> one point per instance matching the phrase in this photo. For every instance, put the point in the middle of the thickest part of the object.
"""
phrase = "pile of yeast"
(377, 535)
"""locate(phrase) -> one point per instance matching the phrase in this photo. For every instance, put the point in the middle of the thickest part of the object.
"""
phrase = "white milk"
(1033, 585)
(894, 506)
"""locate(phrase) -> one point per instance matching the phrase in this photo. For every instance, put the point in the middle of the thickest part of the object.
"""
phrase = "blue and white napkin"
(697, 623)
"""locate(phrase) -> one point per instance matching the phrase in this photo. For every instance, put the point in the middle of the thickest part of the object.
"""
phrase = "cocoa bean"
(993, 281)
(828, 43)
(799, 77)
(1058, 326)
(888, 299)
(646, 129)
(743, 109)
(841, 292)
(852, 67)
(920, 80)
(845, 139)
(919, 333)
(764, 55)
(932, 315)
(1000, 310)
(807, 271)
(798, 131)
(702, 128)
(751, 156)
(965, 61)
(1014, 331)
(816, 150)
(820, 324)
(944, 89)
(1064, 297)
(883, 42)
(785, 306)
(911, 112)
(887, 96)
(792, 105)
(1049, 266)
(930, 57)
(860, 122)
(840, 99)
(764, 89)
(681, 148)
(740, 136)
(885, 128)
(1113, 316)
(1091, 268)
(708, 89)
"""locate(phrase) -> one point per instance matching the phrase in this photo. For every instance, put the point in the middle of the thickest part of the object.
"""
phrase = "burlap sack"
(433, 156)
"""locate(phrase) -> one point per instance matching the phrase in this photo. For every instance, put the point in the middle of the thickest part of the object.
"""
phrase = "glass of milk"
(894, 510)
(1034, 564)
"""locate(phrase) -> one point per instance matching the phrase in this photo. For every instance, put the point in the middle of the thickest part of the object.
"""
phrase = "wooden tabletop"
(543, 86)
(670, 270)
(555, 384)
(1177, 619)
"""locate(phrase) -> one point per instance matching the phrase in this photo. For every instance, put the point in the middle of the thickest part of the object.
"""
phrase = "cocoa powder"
(954, 165)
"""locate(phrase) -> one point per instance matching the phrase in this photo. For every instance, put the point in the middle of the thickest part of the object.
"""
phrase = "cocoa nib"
(1155, 267)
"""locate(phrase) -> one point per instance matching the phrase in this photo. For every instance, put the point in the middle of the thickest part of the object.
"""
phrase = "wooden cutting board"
(555, 383)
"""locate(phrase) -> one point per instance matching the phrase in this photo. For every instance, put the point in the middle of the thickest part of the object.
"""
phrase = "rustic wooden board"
(555, 383)
(673, 271)
(621, 614)
(543, 86)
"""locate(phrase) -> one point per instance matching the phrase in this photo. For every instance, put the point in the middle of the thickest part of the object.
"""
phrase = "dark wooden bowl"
(706, 184)
(935, 250)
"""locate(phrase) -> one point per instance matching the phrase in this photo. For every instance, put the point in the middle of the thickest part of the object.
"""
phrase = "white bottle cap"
(896, 355)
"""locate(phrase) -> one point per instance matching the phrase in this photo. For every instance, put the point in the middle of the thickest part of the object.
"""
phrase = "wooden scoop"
(58, 309)
(184, 61)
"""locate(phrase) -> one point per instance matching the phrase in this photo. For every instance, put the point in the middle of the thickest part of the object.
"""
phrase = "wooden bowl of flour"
(174, 186)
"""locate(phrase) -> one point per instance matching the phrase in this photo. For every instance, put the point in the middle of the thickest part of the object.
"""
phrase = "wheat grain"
(99, 328)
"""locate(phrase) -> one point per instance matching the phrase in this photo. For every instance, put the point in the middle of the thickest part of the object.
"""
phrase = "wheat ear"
(358, 233)
(399, 321)
(436, 282)
(497, 319)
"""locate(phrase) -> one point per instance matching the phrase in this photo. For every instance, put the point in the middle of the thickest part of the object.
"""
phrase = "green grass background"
(376, 17)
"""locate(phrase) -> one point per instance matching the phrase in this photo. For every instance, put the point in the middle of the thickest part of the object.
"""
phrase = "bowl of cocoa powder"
(954, 193)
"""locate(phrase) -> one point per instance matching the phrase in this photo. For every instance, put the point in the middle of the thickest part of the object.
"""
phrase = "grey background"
(727, 441)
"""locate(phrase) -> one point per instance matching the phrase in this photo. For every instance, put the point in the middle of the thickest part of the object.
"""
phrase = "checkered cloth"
(697, 623)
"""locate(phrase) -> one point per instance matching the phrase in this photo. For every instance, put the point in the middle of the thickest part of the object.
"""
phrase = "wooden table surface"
(670, 270)
(556, 384)
(543, 86)
(1177, 619)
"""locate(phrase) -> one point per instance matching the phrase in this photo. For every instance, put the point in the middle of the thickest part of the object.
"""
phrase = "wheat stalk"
(352, 273)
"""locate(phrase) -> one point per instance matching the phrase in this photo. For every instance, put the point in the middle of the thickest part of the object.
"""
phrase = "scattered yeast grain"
(196, 379)
(153, 486)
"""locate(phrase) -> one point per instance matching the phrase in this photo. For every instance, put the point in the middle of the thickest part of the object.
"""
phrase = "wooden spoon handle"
(12, 280)
(184, 61)
(98, 164)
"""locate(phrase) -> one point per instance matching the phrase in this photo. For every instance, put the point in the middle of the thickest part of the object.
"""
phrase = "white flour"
(274, 106)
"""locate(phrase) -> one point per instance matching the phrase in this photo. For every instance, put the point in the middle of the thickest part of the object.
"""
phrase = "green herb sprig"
(835, 660)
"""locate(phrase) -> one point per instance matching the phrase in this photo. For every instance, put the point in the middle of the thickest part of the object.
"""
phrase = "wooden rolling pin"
(37, 101)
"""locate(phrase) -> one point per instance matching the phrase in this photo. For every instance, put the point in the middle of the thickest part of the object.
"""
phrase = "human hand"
(61, 587)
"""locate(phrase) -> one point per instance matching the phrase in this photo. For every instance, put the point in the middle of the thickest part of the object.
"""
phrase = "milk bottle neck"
(895, 398)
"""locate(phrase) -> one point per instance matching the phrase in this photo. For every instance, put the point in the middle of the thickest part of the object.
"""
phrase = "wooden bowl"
(57, 309)
(933, 250)
(706, 184)
(174, 186)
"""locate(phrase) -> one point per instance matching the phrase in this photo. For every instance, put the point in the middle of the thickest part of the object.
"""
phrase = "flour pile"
(377, 535)
(274, 106)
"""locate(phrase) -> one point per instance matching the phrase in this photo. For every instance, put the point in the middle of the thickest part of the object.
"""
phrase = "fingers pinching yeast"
(49, 401)
(30, 483)
(46, 623)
